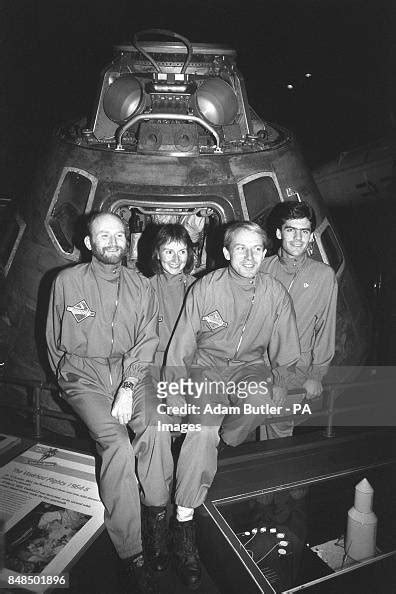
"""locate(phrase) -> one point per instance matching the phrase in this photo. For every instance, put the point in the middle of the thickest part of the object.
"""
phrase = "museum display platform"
(275, 520)
(302, 489)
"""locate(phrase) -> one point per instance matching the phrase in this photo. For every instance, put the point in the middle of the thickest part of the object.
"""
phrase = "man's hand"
(313, 388)
(279, 395)
(122, 406)
(175, 400)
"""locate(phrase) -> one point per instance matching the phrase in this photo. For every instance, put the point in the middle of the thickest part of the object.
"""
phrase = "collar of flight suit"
(241, 280)
(172, 279)
(105, 271)
(292, 265)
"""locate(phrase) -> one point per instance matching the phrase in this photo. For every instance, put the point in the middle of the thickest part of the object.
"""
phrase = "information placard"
(50, 506)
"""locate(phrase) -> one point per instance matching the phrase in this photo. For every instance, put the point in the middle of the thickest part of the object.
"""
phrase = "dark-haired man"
(101, 336)
(312, 286)
(232, 317)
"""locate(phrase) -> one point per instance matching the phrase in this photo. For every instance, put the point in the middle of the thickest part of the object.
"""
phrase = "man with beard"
(101, 336)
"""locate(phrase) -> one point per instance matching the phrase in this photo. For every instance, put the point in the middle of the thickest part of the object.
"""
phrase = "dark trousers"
(87, 387)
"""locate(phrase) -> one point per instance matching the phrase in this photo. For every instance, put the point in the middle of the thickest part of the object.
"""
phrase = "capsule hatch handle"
(165, 116)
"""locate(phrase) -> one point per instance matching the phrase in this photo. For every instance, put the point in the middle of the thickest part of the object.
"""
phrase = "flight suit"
(227, 325)
(312, 285)
(171, 290)
(101, 329)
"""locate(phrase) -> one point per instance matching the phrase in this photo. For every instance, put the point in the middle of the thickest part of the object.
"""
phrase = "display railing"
(325, 405)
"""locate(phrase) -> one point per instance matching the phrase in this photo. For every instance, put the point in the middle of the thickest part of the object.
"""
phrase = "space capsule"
(172, 137)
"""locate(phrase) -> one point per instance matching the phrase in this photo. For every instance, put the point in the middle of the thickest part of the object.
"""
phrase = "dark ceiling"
(54, 51)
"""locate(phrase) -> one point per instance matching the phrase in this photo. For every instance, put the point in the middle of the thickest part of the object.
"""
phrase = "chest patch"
(214, 320)
(80, 311)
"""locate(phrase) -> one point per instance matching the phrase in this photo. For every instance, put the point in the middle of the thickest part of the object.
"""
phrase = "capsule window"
(11, 231)
(72, 198)
(332, 249)
(261, 195)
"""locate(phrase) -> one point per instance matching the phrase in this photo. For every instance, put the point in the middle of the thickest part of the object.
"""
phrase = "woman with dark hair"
(172, 262)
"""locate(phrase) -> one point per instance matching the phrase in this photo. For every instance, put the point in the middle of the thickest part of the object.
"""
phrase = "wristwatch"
(128, 385)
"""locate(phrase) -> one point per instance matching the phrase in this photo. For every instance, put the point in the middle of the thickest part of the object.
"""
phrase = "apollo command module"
(172, 138)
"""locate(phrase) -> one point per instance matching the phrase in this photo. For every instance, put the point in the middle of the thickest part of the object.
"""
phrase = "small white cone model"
(362, 524)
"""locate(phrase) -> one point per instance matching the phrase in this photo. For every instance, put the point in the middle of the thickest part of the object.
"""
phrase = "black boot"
(187, 562)
(155, 537)
(137, 577)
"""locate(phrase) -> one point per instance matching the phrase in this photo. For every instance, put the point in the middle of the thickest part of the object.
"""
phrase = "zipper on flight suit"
(112, 326)
(296, 274)
(234, 358)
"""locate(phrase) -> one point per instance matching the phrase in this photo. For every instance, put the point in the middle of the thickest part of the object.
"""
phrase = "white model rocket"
(362, 524)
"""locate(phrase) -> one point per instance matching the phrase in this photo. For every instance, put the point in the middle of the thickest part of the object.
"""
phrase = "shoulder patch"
(80, 311)
(214, 320)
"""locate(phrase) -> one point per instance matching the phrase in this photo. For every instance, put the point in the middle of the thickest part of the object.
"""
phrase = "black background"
(54, 50)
